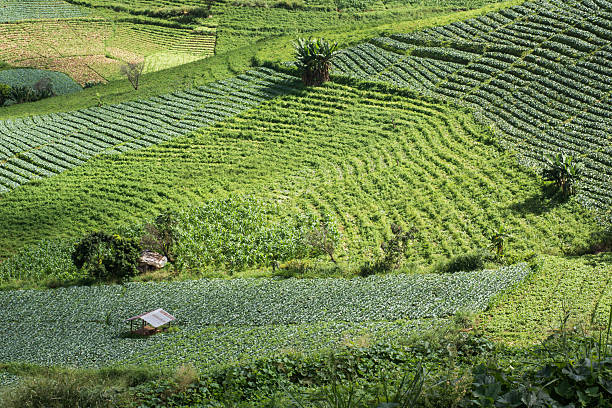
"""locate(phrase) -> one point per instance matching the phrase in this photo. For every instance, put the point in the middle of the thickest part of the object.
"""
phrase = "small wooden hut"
(151, 322)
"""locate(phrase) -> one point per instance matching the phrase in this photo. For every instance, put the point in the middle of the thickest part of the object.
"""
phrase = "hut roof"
(156, 318)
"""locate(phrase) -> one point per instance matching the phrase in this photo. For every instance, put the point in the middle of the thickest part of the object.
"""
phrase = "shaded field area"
(227, 321)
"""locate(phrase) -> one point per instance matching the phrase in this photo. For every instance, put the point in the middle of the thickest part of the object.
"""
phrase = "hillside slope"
(540, 74)
(368, 158)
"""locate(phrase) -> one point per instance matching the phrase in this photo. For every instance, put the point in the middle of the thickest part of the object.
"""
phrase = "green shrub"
(106, 256)
(5, 93)
(563, 171)
(160, 235)
(393, 249)
(464, 263)
(313, 59)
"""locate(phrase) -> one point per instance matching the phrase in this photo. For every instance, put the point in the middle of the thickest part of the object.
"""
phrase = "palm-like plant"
(498, 240)
(563, 171)
(313, 59)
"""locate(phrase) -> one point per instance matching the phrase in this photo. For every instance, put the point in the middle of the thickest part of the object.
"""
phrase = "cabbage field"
(221, 321)
(15, 10)
(41, 146)
(403, 204)
(538, 73)
(62, 84)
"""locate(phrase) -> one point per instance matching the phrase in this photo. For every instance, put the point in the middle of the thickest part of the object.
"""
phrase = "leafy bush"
(5, 93)
(573, 370)
(159, 235)
(323, 237)
(22, 94)
(106, 256)
(584, 383)
(464, 263)
(393, 249)
(44, 88)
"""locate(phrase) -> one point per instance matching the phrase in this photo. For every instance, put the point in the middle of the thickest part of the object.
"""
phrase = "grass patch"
(576, 289)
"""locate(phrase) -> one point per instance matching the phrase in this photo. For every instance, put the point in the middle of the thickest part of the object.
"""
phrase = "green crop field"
(214, 314)
(62, 83)
(543, 87)
(380, 160)
(15, 10)
(385, 239)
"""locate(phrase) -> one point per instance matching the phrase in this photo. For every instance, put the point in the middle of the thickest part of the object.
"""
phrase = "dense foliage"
(313, 59)
(563, 171)
(240, 232)
(228, 320)
(106, 256)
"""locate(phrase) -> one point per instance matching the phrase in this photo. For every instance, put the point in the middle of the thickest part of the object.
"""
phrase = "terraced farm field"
(92, 50)
(38, 147)
(386, 235)
(380, 159)
(540, 73)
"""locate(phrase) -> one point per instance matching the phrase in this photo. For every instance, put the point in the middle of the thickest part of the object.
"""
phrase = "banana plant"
(563, 171)
(498, 240)
(313, 59)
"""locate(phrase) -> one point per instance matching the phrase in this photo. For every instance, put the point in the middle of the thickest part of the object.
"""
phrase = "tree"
(563, 171)
(133, 71)
(323, 237)
(105, 256)
(313, 59)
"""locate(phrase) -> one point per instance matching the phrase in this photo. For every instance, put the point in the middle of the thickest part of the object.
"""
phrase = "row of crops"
(145, 38)
(227, 320)
(15, 10)
(31, 40)
(540, 72)
(364, 158)
(41, 146)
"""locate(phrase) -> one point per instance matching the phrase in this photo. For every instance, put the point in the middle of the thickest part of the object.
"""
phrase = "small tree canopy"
(563, 171)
